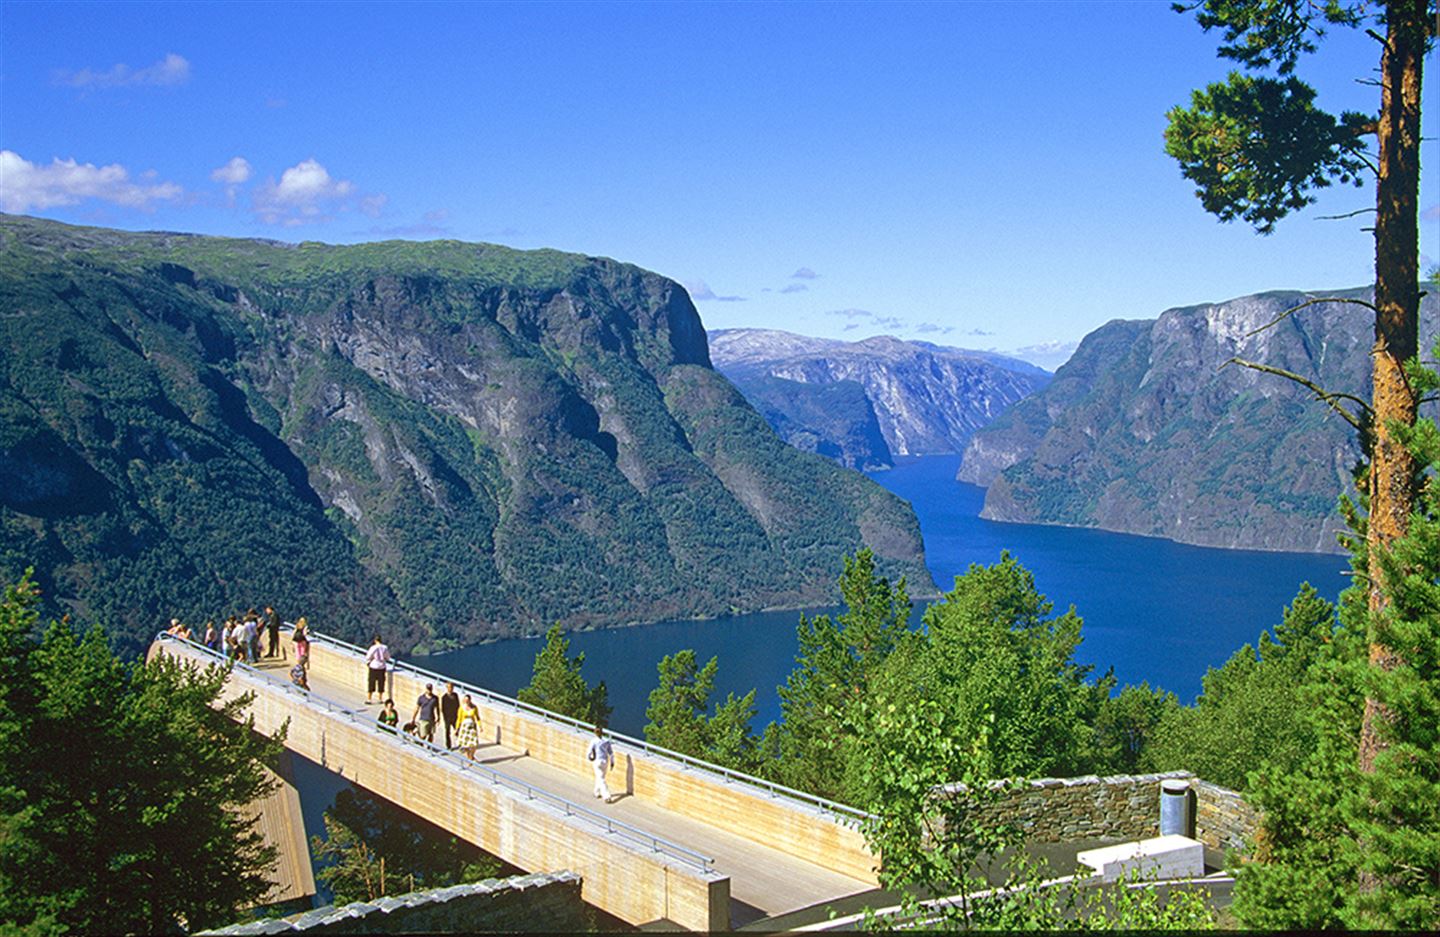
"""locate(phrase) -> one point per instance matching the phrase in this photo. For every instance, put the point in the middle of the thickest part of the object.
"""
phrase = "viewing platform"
(685, 842)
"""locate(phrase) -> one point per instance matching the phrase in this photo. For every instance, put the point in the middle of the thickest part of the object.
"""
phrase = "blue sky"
(987, 175)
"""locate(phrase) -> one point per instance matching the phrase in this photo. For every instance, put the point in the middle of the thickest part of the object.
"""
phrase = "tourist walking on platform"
(375, 660)
(302, 643)
(427, 707)
(450, 711)
(467, 739)
(272, 631)
(299, 677)
(601, 755)
(212, 637)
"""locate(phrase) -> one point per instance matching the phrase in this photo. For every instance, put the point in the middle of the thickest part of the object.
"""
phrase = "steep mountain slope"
(925, 398)
(835, 420)
(455, 441)
(1146, 431)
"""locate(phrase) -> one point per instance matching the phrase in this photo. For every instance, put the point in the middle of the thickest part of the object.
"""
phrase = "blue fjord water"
(1154, 610)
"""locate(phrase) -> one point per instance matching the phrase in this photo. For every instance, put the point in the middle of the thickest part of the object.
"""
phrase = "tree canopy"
(123, 787)
(1257, 148)
(558, 686)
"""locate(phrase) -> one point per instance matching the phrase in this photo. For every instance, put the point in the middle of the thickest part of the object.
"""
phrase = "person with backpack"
(601, 755)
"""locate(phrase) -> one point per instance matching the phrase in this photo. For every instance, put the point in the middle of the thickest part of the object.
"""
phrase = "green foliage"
(1126, 725)
(678, 719)
(123, 788)
(994, 661)
(1340, 847)
(929, 778)
(1253, 712)
(373, 848)
(834, 667)
(1270, 33)
(1256, 148)
(558, 686)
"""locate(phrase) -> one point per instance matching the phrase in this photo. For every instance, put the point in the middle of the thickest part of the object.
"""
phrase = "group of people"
(239, 637)
(459, 715)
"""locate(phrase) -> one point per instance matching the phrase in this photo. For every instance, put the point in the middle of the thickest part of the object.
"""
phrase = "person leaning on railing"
(389, 718)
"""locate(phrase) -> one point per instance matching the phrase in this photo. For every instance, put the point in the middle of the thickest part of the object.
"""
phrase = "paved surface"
(764, 882)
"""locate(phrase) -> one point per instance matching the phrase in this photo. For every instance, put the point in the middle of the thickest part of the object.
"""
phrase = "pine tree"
(1256, 147)
(1345, 843)
(679, 717)
(836, 661)
(123, 788)
(676, 714)
(557, 685)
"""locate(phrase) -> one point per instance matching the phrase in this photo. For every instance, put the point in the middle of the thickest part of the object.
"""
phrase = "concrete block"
(1171, 856)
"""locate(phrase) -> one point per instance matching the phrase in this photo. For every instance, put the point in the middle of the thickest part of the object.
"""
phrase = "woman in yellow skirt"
(467, 738)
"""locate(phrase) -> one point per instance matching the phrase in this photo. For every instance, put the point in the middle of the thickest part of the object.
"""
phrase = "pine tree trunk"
(1397, 300)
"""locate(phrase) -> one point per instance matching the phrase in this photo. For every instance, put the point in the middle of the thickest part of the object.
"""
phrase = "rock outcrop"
(1146, 430)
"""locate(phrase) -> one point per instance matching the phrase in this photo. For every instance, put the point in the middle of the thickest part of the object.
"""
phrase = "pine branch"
(1329, 398)
(1313, 302)
(1348, 214)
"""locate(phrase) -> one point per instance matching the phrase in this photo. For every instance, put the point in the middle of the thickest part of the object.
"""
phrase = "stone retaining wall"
(1119, 808)
(1223, 819)
(547, 903)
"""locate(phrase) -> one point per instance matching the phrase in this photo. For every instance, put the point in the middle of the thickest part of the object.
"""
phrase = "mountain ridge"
(1146, 431)
(464, 439)
(923, 398)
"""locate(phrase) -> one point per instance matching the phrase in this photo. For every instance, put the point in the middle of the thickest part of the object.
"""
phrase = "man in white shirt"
(375, 659)
(601, 755)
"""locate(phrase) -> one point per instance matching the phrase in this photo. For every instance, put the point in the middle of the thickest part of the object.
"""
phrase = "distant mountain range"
(1146, 431)
(862, 403)
(448, 442)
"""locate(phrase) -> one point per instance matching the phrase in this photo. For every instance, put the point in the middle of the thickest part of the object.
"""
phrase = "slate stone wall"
(1223, 819)
(1119, 808)
(541, 903)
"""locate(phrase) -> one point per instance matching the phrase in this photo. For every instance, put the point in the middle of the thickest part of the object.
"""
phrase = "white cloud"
(25, 186)
(700, 291)
(170, 71)
(804, 273)
(234, 172)
(373, 204)
(795, 288)
(1048, 355)
(308, 193)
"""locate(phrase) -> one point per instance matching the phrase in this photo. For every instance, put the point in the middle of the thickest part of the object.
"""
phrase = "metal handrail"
(852, 814)
(570, 808)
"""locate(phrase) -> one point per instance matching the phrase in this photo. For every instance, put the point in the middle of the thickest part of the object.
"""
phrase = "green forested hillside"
(445, 441)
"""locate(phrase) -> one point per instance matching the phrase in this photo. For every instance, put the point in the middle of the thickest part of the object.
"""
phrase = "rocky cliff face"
(454, 440)
(1145, 430)
(925, 398)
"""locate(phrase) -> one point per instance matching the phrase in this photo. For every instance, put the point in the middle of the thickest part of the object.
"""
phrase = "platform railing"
(362, 719)
(845, 812)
